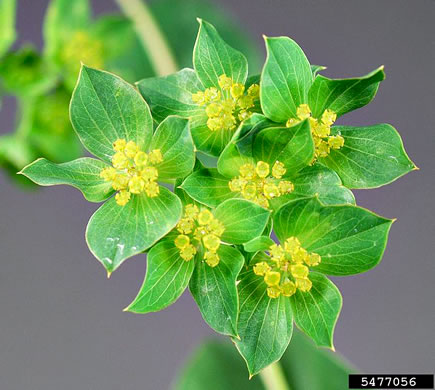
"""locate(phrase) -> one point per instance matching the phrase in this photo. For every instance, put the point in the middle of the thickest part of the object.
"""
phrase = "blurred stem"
(150, 35)
(273, 377)
(24, 117)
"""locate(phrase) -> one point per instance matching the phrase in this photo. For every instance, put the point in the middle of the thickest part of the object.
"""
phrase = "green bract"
(368, 158)
(254, 228)
(172, 95)
(104, 108)
(336, 233)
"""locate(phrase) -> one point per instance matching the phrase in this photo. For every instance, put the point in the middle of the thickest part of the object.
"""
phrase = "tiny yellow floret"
(272, 278)
(259, 183)
(320, 129)
(132, 171)
(182, 241)
(287, 270)
(199, 228)
(227, 107)
(273, 292)
(261, 268)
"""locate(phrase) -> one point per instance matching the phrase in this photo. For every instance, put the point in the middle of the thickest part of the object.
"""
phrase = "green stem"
(273, 377)
(150, 35)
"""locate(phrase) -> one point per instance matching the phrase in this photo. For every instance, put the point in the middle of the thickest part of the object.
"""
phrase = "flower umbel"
(288, 268)
(199, 228)
(258, 183)
(321, 130)
(227, 108)
(83, 47)
(133, 171)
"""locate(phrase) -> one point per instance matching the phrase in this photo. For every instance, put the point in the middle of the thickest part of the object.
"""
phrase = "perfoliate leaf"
(172, 95)
(285, 80)
(213, 57)
(63, 18)
(294, 146)
(173, 139)
(166, 279)
(316, 180)
(83, 174)
(349, 239)
(343, 95)
(316, 311)
(261, 243)
(239, 150)
(115, 233)
(207, 186)
(215, 290)
(371, 157)
(7, 24)
(242, 219)
(265, 324)
(105, 108)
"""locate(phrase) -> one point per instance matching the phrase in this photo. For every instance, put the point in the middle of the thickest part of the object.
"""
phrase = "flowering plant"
(254, 230)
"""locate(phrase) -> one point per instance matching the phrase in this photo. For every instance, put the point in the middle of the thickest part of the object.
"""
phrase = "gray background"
(61, 324)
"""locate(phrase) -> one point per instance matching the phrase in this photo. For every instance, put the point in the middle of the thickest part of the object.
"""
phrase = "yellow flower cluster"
(288, 269)
(258, 183)
(83, 48)
(321, 130)
(133, 171)
(199, 227)
(229, 106)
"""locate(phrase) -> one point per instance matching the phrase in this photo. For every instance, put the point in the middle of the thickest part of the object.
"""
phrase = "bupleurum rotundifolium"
(199, 228)
(320, 129)
(259, 183)
(225, 109)
(288, 268)
(133, 171)
(82, 47)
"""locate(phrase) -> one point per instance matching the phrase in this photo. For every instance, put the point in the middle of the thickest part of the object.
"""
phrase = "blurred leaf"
(7, 24)
(63, 19)
(24, 72)
(216, 365)
(176, 19)
(124, 54)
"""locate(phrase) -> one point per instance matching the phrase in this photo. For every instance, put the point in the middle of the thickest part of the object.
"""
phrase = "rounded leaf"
(243, 220)
(166, 279)
(115, 233)
(105, 108)
(349, 239)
